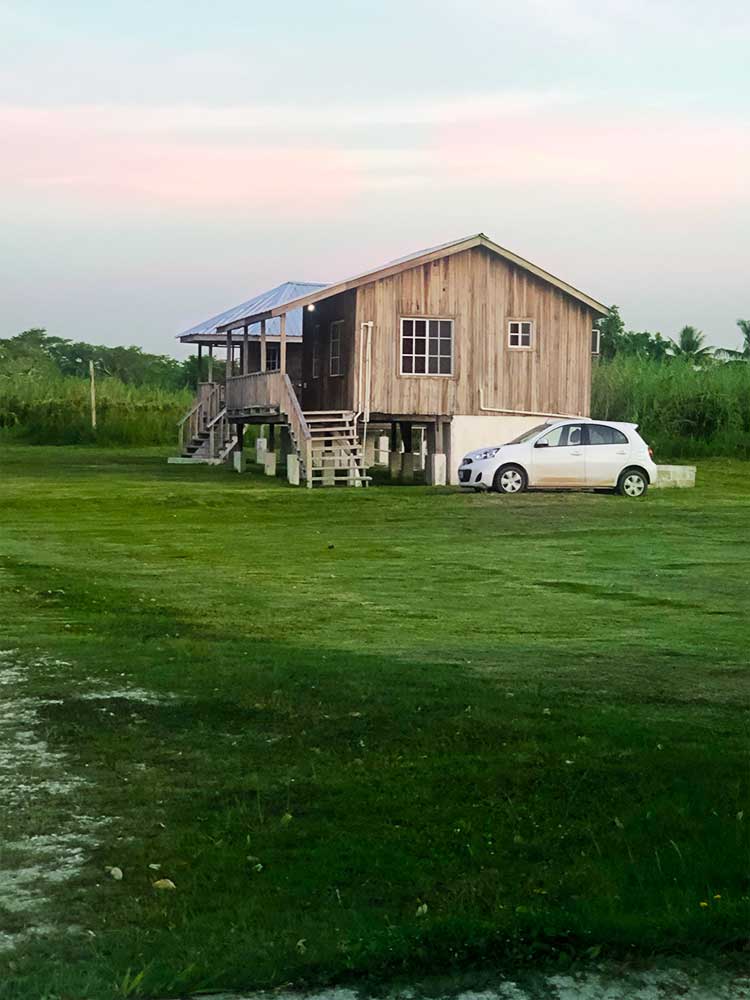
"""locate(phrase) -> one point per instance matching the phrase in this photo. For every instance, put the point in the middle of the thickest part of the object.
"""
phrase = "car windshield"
(527, 435)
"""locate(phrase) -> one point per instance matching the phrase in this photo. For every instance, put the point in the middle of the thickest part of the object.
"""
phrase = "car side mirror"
(542, 444)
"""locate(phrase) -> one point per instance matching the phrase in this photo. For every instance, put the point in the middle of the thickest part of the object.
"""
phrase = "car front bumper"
(476, 475)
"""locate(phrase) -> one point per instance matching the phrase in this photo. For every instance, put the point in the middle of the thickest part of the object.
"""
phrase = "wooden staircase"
(334, 452)
(204, 433)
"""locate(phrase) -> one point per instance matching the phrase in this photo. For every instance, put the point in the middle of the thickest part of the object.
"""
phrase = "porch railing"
(298, 427)
(258, 389)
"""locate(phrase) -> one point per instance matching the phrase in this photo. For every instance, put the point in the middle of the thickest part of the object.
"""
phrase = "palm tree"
(744, 353)
(690, 345)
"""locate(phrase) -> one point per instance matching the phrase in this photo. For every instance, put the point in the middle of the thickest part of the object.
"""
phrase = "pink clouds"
(655, 161)
(82, 156)
(196, 159)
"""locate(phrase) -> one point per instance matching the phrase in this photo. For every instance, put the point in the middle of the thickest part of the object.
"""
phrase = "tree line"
(37, 353)
(690, 343)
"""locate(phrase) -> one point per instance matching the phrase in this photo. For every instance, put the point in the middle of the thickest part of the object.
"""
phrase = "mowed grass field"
(365, 733)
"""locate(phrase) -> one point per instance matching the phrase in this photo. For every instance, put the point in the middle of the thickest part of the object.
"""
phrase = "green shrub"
(46, 408)
(681, 410)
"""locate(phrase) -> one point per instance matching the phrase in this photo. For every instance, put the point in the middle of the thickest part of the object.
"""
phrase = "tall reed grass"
(49, 409)
(682, 411)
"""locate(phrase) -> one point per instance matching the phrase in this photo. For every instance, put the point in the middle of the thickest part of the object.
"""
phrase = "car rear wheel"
(510, 479)
(632, 483)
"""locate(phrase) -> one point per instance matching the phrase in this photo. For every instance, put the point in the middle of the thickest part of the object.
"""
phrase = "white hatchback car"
(570, 454)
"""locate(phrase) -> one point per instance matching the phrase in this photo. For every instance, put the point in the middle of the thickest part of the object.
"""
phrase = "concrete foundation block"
(269, 463)
(239, 461)
(381, 450)
(675, 476)
(408, 465)
(292, 470)
(394, 464)
(435, 470)
(261, 447)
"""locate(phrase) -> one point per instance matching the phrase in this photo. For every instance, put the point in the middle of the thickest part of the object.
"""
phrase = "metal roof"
(434, 253)
(285, 292)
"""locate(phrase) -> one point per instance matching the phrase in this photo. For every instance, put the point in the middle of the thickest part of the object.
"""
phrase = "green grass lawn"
(364, 732)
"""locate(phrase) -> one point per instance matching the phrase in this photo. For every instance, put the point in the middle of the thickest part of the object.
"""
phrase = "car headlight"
(489, 453)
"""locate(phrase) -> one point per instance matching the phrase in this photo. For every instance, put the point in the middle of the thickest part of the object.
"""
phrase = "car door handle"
(576, 453)
(621, 451)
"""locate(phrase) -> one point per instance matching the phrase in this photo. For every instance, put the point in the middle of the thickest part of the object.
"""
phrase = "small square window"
(521, 333)
(596, 341)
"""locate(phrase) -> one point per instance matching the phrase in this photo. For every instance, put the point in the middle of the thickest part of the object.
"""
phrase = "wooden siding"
(329, 392)
(480, 292)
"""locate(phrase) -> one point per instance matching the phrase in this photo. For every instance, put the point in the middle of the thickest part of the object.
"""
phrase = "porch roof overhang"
(206, 333)
(414, 260)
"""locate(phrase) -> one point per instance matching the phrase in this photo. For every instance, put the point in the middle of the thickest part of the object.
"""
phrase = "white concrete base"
(381, 450)
(369, 451)
(469, 433)
(261, 446)
(292, 470)
(394, 464)
(679, 476)
(408, 464)
(269, 463)
(434, 472)
(239, 461)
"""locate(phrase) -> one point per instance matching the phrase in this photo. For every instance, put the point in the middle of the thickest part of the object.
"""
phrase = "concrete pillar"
(381, 450)
(407, 466)
(394, 464)
(329, 474)
(369, 451)
(292, 470)
(238, 461)
(435, 470)
(269, 463)
(261, 447)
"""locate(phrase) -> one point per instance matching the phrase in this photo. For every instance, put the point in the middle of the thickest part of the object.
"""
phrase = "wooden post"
(210, 362)
(229, 354)
(93, 396)
(282, 346)
(245, 350)
(200, 366)
(262, 345)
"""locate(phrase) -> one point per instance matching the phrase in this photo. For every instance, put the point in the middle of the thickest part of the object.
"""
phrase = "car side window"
(569, 435)
(575, 435)
(600, 434)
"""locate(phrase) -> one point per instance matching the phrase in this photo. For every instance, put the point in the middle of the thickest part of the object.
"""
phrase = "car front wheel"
(632, 483)
(510, 479)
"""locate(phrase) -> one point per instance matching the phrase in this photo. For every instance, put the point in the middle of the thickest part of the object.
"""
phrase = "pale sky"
(164, 160)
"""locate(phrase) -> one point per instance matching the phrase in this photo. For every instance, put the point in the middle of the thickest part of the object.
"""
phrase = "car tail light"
(651, 454)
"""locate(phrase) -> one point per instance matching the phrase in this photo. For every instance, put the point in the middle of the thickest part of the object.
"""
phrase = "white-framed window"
(273, 357)
(521, 333)
(426, 346)
(316, 352)
(596, 341)
(334, 349)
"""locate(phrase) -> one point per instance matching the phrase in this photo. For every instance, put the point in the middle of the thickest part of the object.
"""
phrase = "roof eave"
(395, 268)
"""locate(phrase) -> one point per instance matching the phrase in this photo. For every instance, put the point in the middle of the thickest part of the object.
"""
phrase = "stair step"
(354, 449)
(331, 474)
(322, 414)
(333, 431)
